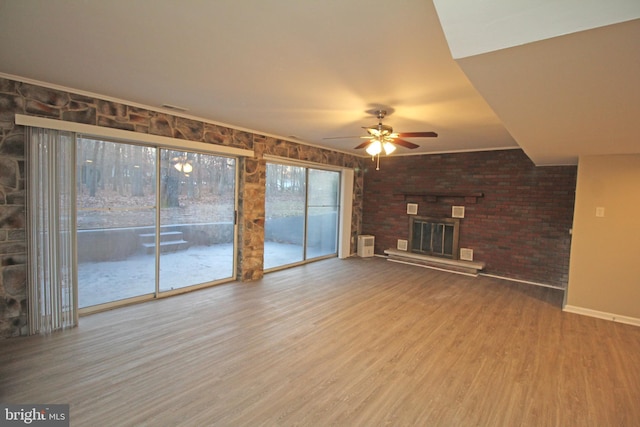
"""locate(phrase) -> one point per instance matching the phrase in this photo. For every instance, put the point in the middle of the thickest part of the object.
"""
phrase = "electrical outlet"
(600, 212)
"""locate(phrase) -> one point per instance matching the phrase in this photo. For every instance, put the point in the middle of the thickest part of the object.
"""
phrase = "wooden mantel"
(432, 196)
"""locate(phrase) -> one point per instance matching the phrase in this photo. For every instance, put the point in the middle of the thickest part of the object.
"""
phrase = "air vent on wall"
(457, 211)
(403, 245)
(466, 254)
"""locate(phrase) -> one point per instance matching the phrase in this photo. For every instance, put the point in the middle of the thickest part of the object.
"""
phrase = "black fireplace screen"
(438, 237)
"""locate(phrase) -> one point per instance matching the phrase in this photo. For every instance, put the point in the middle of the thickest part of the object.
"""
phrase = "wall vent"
(457, 211)
(466, 254)
(403, 245)
(412, 208)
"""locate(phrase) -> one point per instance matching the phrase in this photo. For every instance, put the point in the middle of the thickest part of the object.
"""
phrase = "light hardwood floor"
(358, 342)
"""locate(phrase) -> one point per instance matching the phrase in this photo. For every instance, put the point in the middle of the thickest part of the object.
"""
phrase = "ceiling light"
(388, 148)
(374, 148)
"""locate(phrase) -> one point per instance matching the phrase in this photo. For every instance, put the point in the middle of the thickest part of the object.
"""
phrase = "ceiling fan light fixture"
(388, 147)
(381, 138)
(374, 148)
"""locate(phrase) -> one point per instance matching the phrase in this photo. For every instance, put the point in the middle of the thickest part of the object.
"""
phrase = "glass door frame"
(166, 293)
(157, 294)
(344, 213)
(347, 178)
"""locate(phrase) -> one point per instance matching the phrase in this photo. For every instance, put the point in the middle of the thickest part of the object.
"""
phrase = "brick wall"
(520, 228)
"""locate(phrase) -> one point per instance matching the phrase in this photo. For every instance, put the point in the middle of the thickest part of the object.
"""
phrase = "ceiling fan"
(382, 138)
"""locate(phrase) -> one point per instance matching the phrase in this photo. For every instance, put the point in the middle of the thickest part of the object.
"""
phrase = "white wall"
(604, 271)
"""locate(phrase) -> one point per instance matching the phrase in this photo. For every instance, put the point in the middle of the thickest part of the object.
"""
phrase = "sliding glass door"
(285, 202)
(301, 207)
(116, 210)
(151, 220)
(322, 212)
(197, 208)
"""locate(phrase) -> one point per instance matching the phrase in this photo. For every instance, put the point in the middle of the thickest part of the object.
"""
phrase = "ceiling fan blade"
(403, 143)
(364, 144)
(342, 137)
(417, 134)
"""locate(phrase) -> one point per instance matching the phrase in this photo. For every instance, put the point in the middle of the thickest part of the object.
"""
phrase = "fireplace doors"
(434, 236)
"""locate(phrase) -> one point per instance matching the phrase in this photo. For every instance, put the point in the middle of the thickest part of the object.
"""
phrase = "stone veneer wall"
(30, 99)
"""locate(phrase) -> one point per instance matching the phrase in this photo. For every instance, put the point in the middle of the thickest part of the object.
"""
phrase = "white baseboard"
(431, 267)
(528, 282)
(602, 315)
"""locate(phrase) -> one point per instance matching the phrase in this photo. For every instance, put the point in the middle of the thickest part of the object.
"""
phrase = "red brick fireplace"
(519, 227)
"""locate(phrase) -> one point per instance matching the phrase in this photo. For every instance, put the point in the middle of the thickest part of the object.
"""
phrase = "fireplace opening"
(434, 236)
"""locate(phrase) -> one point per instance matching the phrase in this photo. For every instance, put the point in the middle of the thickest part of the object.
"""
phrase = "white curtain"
(51, 287)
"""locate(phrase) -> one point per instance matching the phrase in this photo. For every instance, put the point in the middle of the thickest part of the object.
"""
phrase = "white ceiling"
(307, 70)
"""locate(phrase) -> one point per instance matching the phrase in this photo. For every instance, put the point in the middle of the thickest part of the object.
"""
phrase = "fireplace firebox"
(434, 236)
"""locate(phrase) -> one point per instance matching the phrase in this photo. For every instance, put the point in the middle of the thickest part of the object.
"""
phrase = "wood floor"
(358, 342)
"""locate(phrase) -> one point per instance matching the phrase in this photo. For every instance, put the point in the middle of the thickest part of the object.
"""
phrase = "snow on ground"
(101, 282)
